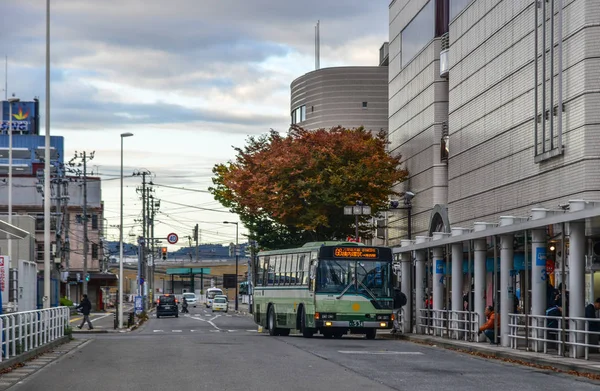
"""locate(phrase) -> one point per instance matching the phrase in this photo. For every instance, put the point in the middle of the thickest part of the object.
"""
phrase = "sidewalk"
(580, 367)
(104, 322)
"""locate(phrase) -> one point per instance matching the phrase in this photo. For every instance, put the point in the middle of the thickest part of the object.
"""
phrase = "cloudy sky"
(190, 78)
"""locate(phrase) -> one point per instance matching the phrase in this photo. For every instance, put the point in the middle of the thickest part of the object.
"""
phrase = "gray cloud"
(205, 49)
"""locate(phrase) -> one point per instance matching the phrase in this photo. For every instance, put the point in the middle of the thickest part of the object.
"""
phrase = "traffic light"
(164, 253)
(87, 277)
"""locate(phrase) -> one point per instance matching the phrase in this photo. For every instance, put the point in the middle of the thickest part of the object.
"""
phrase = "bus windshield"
(369, 278)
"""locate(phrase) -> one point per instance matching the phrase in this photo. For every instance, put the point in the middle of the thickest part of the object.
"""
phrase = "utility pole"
(85, 226)
(196, 239)
(142, 247)
(85, 157)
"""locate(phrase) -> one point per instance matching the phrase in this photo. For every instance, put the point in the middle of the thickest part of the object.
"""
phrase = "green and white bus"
(330, 288)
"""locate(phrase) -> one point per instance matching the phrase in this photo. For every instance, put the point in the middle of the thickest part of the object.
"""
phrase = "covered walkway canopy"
(528, 252)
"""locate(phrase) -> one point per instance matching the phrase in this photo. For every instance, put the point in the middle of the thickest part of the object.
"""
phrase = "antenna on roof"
(317, 46)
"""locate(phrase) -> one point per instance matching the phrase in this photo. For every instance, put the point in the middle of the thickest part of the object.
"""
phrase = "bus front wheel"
(273, 331)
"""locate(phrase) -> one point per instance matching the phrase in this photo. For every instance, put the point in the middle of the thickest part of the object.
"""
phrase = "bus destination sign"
(355, 252)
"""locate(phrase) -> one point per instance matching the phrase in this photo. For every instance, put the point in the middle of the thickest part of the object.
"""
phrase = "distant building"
(25, 117)
(28, 204)
(28, 153)
(341, 96)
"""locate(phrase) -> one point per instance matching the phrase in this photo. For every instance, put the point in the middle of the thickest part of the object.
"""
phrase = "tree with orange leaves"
(293, 189)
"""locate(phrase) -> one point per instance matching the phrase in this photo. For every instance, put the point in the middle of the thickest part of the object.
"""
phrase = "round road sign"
(172, 238)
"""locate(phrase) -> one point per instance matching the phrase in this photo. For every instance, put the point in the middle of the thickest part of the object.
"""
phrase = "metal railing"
(459, 325)
(544, 333)
(21, 332)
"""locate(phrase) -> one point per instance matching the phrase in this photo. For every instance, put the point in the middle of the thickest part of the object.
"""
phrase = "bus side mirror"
(313, 271)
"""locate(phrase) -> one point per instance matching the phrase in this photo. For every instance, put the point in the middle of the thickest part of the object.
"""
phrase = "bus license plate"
(356, 323)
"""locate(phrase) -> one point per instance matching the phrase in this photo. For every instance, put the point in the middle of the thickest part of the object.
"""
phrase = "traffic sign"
(172, 238)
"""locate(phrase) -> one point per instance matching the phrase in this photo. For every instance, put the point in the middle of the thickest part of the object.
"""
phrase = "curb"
(21, 358)
(515, 357)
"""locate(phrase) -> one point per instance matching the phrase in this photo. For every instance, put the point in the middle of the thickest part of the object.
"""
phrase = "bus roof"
(310, 246)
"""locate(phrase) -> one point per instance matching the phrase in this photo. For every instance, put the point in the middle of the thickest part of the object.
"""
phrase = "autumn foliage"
(290, 189)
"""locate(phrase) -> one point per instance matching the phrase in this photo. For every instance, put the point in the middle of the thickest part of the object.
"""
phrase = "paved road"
(205, 351)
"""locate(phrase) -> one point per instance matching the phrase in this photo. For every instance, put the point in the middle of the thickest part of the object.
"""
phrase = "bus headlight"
(383, 324)
(328, 324)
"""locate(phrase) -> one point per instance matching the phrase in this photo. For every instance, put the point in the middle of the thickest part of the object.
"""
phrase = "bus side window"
(300, 269)
(260, 272)
(313, 275)
(277, 270)
(272, 264)
(292, 268)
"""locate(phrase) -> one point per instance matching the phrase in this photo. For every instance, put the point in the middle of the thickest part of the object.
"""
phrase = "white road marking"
(209, 321)
(176, 331)
(101, 317)
(158, 331)
(381, 352)
(232, 331)
(215, 331)
(229, 315)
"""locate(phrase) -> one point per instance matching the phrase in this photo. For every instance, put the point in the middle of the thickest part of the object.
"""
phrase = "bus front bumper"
(344, 324)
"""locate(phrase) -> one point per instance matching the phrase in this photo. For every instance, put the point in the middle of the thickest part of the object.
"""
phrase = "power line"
(195, 207)
(182, 188)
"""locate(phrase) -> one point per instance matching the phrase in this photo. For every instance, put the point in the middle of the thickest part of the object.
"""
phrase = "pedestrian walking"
(86, 308)
(184, 307)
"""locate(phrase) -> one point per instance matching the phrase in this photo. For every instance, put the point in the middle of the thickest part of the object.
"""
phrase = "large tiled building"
(462, 79)
(493, 105)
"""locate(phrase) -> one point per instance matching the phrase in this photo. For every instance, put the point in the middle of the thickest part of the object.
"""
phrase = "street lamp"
(357, 210)
(236, 260)
(10, 148)
(123, 135)
(408, 196)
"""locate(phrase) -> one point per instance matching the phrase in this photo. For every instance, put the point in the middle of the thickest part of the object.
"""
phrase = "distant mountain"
(205, 251)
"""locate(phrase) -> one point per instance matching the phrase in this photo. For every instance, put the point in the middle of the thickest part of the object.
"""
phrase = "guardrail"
(545, 332)
(21, 332)
(459, 325)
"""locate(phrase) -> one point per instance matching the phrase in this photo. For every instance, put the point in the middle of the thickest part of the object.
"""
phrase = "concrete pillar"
(420, 281)
(576, 285)
(507, 290)
(457, 278)
(439, 264)
(407, 287)
(479, 258)
(538, 272)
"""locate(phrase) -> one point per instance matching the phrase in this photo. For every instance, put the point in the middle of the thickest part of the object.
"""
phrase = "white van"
(210, 295)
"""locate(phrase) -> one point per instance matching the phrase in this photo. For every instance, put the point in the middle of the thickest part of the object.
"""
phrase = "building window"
(418, 33)
(94, 221)
(299, 114)
(40, 251)
(364, 105)
(39, 223)
(94, 251)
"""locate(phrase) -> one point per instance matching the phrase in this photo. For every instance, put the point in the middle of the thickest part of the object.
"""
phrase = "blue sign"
(540, 256)
(24, 117)
(139, 304)
(439, 266)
